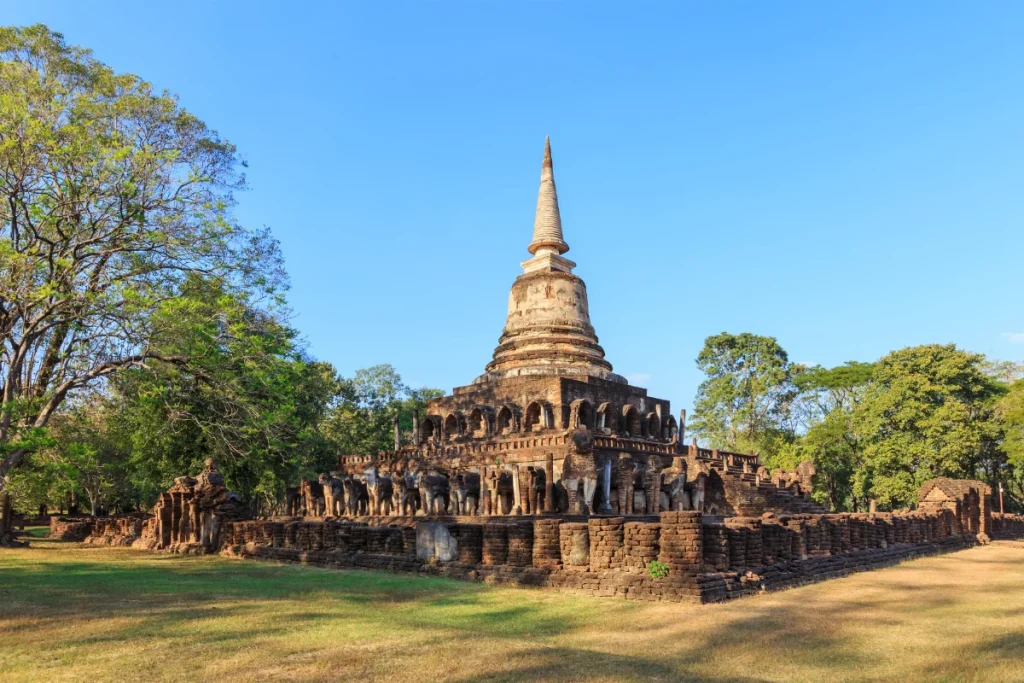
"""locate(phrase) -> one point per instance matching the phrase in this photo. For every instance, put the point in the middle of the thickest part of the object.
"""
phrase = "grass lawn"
(76, 613)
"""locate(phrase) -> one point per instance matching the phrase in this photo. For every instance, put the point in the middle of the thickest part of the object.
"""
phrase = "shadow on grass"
(159, 593)
(210, 600)
(574, 664)
(1008, 645)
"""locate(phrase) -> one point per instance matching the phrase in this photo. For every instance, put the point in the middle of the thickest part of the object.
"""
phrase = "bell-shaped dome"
(548, 330)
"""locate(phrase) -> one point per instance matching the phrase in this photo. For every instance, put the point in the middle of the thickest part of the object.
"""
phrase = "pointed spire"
(547, 226)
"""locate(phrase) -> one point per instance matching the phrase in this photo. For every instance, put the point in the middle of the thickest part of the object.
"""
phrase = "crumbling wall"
(699, 559)
(74, 529)
(122, 530)
(1007, 526)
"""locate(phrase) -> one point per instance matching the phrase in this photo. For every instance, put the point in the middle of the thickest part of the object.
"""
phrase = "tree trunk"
(6, 519)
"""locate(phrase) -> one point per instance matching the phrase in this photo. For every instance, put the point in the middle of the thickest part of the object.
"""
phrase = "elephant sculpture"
(380, 490)
(801, 480)
(536, 485)
(492, 501)
(626, 473)
(459, 495)
(652, 484)
(579, 472)
(406, 494)
(675, 480)
(356, 495)
(697, 488)
(313, 498)
(806, 471)
(471, 481)
(762, 475)
(438, 491)
(560, 497)
(334, 495)
(293, 501)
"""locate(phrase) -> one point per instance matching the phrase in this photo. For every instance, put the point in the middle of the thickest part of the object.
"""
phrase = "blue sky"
(847, 177)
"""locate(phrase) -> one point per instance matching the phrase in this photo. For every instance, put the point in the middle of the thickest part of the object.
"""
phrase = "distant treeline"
(875, 431)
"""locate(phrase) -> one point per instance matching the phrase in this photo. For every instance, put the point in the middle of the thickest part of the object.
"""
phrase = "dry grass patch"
(71, 612)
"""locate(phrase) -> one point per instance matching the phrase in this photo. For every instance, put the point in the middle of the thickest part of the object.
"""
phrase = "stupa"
(549, 427)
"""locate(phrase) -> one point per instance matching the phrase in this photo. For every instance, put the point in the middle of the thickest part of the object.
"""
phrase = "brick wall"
(71, 528)
(708, 559)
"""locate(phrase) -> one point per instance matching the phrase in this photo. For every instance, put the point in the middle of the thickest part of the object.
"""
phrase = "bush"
(657, 570)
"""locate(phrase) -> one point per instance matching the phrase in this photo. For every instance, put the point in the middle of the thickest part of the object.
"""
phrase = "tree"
(927, 414)
(824, 391)
(363, 421)
(82, 460)
(248, 397)
(111, 197)
(834, 450)
(744, 403)
(830, 440)
(1004, 371)
(1009, 413)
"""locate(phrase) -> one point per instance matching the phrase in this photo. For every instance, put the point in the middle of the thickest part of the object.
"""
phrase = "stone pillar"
(484, 504)
(984, 517)
(495, 544)
(682, 425)
(681, 542)
(398, 434)
(520, 544)
(549, 483)
(176, 517)
(546, 543)
(606, 543)
(652, 484)
(517, 505)
(606, 488)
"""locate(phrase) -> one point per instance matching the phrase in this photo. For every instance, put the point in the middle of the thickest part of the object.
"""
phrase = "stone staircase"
(750, 499)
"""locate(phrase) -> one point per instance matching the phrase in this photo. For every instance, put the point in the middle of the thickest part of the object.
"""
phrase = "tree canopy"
(112, 198)
(875, 431)
(745, 401)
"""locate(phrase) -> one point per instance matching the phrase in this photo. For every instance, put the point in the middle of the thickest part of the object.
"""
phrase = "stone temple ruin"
(549, 428)
(551, 470)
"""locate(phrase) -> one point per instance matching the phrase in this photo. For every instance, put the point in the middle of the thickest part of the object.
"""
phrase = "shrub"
(657, 570)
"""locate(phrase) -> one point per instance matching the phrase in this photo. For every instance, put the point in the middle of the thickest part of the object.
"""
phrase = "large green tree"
(745, 401)
(248, 397)
(111, 197)
(927, 414)
(1010, 416)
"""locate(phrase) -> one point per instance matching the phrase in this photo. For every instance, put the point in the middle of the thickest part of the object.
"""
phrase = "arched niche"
(539, 415)
(581, 414)
(479, 423)
(670, 429)
(603, 421)
(505, 423)
(451, 427)
(430, 429)
(630, 421)
(653, 425)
